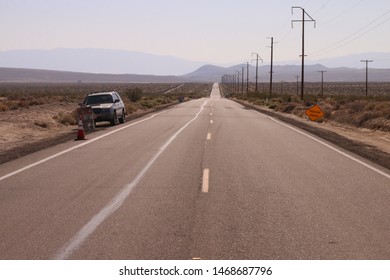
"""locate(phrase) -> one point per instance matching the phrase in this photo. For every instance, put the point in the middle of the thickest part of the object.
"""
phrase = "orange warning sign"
(314, 113)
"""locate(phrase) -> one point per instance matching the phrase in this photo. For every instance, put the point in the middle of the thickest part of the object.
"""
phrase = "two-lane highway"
(207, 179)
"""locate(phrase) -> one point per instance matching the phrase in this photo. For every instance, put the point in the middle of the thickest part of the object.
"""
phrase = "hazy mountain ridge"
(97, 61)
(21, 75)
(289, 73)
(207, 73)
(100, 65)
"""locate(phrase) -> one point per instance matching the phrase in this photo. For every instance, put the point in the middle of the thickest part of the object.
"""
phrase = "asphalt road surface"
(207, 179)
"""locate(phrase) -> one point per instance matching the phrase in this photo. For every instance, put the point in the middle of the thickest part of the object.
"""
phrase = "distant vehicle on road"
(106, 106)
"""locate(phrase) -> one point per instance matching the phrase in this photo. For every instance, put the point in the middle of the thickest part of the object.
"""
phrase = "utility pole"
(247, 77)
(281, 87)
(242, 84)
(322, 82)
(234, 83)
(272, 65)
(366, 61)
(238, 81)
(257, 67)
(303, 20)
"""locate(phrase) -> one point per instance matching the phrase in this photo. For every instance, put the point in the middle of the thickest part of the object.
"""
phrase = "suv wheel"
(123, 118)
(114, 120)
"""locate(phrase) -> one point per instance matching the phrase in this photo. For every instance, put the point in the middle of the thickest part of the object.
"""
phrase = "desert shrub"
(287, 108)
(379, 124)
(341, 116)
(356, 106)
(12, 105)
(134, 94)
(383, 106)
(273, 106)
(146, 103)
(66, 118)
(3, 107)
(166, 101)
(259, 102)
(43, 124)
(286, 98)
(278, 100)
(131, 108)
(370, 106)
(35, 102)
(327, 109)
(360, 119)
(23, 103)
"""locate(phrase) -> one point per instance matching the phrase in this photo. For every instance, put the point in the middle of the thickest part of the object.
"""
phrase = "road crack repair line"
(82, 235)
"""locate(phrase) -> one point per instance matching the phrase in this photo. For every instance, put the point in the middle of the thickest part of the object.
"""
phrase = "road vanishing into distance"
(206, 179)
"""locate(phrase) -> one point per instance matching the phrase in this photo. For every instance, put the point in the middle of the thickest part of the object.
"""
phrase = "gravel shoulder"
(27, 130)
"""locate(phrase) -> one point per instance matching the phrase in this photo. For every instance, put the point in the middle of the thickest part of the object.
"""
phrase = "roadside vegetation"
(137, 97)
(36, 116)
(343, 103)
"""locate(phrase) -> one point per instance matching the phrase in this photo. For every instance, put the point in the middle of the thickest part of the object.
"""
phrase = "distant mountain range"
(111, 66)
(98, 61)
(206, 73)
(22, 75)
(289, 73)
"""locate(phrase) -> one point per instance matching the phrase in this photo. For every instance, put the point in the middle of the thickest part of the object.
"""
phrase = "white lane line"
(211, 114)
(209, 136)
(328, 146)
(78, 146)
(211, 121)
(205, 181)
(79, 238)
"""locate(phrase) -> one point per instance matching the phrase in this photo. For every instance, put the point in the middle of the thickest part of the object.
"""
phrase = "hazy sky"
(216, 31)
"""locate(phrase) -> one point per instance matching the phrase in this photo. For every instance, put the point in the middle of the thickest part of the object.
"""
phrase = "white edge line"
(78, 146)
(79, 238)
(327, 145)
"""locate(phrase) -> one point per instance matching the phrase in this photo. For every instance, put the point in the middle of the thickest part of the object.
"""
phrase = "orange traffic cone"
(80, 130)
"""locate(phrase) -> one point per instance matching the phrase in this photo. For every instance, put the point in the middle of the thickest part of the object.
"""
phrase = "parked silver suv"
(106, 106)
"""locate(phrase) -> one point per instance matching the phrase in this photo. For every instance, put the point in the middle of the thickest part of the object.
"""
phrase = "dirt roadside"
(372, 145)
(27, 130)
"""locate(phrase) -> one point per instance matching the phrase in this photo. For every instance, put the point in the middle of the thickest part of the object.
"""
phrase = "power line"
(351, 37)
(322, 7)
(344, 12)
(287, 33)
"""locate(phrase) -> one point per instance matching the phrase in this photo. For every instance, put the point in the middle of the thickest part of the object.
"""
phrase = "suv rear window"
(99, 99)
